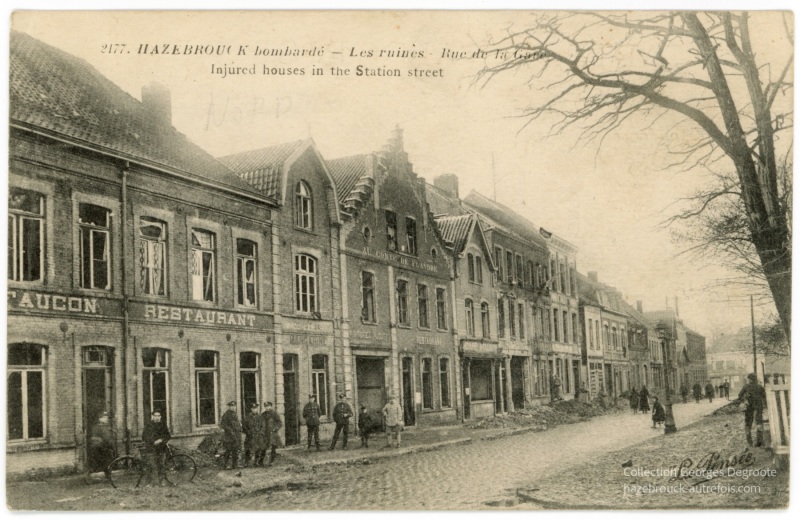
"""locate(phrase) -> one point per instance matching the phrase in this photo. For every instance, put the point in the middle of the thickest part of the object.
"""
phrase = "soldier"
(697, 390)
(311, 414)
(272, 440)
(393, 416)
(154, 447)
(253, 434)
(232, 437)
(726, 387)
(341, 415)
(755, 398)
(710, 392)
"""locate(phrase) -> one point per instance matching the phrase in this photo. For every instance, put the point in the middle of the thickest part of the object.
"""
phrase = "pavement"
(452, 467)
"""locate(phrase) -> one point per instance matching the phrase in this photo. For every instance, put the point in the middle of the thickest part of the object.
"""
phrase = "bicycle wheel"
(126, 472)
(180, 469)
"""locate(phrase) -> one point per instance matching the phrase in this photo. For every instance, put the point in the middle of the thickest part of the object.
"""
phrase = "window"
(556, 330)
(411, 236)
(501, 318)
(565, 324)
(607, 336)
(574, 328)
(95, 230)
(402, 303)
(422, 299)
(470, 267)
(427, 383)
(614, 342)
(25, 400)
(203, 265)
(441, 316)
(249, 363)
(521, 308)
(531, 274)
(509, 267)
(498, 259)
(153, 256)
(305, 284)
(319, 381)
(591, 333)
(512, 322)
(574, 279)
(303, 216)
(485, 327)
(444, 381)
(549, 333)
(478, 270)
(519, 269)
(623, 338)
(25, 235)
(470, 317)
(562, 278)
(553, 274)
(205, 380)
(367, 297)
(246, 272)
(155, 383)
(597, 333)
(391, 231)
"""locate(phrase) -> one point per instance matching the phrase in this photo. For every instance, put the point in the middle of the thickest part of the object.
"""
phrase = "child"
(364, 426)
(658, 413)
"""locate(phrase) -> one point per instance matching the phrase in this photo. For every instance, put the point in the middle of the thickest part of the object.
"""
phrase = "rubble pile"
(729, 409)
(547, 415)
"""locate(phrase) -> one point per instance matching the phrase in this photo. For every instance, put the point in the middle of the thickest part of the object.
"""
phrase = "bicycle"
(128, 472)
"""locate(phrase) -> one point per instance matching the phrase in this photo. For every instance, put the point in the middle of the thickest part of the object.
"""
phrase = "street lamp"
(669, 420)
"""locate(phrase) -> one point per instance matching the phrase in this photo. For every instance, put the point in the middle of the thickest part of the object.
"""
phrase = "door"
(371, 383)
(290, 398)
(518, 382)
(576, 375)
(97, 387)
(409, 405)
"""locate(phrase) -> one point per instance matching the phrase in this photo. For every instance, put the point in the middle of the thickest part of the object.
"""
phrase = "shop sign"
(195, 316)
(61, 303)
(399, 260)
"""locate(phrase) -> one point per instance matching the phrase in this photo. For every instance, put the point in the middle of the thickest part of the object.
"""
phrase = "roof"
(506, 217)
(346, 171)
(263, 168)
(455, 230)
(62, 96)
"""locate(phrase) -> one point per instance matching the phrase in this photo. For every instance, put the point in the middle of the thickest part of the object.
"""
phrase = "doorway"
(371, 383)
(518, 382)
(97, 386)
(409, 403)
(290, 399)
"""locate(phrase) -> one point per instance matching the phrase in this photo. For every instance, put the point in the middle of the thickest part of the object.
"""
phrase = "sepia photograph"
(419, 260)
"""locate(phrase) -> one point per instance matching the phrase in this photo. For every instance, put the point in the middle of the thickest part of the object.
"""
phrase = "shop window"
(303, 207)
(391, 230)
(444, 382)
(422, 300)
(155, 383)
(367, 297)
(249, 379)
(206, 375)
(319, 381)
(470, 317)
(501, 318)
(411, 236)
(203, 265)
(25, 398)
(485, 323)
(95, 236)
(305, 284)
(402, 303)
(25, 235)
(427, 383)
(246, 260)
(153, 256)
(441, 312)
(480, 379)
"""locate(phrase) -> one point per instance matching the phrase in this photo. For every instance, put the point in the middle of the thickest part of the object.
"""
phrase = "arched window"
(303, 217)
(470, 314)
(305, 283)
(485, 329)
(470, 267)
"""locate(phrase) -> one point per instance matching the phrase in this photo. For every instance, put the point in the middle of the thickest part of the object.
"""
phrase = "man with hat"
(341, 415)
(311, 414)
(232, 437)
(755, 398)
(393, 416)
(272, 439)
(254, 434)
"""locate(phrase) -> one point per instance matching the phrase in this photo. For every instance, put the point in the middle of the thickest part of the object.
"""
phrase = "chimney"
(592, 276)
(639, 306)
(157, 100)
(447, 182)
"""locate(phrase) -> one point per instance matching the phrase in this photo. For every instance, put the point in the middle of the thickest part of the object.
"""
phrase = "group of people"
(640, 402)
(392, 414)
(260, 435)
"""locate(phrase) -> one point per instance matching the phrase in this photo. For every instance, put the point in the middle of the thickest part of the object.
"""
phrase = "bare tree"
(605, 68)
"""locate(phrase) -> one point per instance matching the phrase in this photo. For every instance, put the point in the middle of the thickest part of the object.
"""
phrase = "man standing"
(272, 423)
(697, 390)
(311, 414)
(101, 445)
(341, 415)
(684, 392)
(755, 398)
(232, 438)
(710, 392)
(727, 389)
(393, 415)
(253, 434)
(154, 447)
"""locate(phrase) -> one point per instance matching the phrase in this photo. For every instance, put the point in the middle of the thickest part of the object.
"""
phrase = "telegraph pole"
(753, 328)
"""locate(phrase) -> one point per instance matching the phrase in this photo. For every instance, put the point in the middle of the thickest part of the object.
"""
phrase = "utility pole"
(753, 327)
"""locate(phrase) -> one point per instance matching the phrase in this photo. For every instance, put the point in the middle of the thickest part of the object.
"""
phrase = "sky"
(609, 199)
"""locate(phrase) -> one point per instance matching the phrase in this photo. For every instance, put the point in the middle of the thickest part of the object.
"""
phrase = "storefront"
(483, 374)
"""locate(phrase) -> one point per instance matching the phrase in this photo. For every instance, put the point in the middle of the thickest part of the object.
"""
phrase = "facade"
(140, 268)
(692, 361)
(309, 358)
